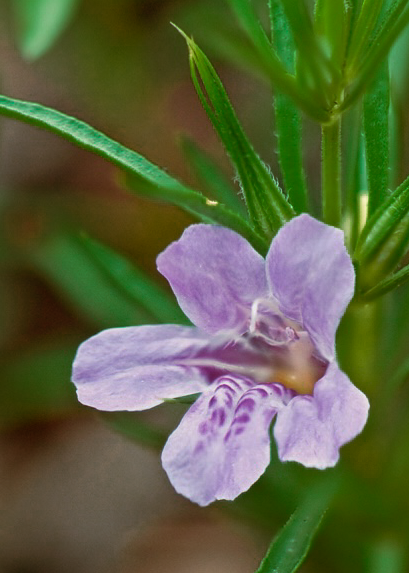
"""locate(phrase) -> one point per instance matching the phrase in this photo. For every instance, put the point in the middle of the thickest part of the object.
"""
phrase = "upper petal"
(136, 368)
(222, 445)
(215, 275)
(312, 277)
(311, 429)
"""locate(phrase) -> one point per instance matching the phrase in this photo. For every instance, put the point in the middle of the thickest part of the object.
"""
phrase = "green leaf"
(288, 121)
(332, 19)
(39, 23)
(383, 223)
(268, 61)
(315, 71)
(399, 82)
(267, 206)
(214, 181)
(63, 261)
(361, 33)
(376, 128)
(290, 547)
(396, 280)
(160, 185)
(134, 283)
(355, 169)
(133, 427)
(393, 25)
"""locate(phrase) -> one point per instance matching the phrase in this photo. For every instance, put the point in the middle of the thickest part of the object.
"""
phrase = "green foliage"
(321, 57)
(383, 223)
(211, 176)
(268, 61)
(393, 24)
(134, 283)
(288, 121)
(290, 547)
(130, 425)
(267, 206)
(315, 72)
(159, 184)
(396, 280)
(39, 23)
(332, 20)
(73, 271)
(376, 125)
(362, 31)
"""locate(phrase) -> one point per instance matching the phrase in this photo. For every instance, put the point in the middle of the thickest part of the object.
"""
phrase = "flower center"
(288, 350)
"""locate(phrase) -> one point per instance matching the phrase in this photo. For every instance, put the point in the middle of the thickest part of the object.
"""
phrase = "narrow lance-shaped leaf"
(396, 280)
(133, 282)
(268, 61)
(214, 180)
(40, 22)
(267, 206)
(290, 547)
(376, 128)
(362, 30)
(355, 169)
(161, 185)
(64, 263)
(383, 223)
(386, 259)
(315, 71)
(399, 82)
(394, 23)
(288, 121)
(332, 22)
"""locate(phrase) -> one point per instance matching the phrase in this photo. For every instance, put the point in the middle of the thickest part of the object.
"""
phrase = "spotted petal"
(222, 445)
(136, 368)
(311, 429)
(215, 274)
(311, 275)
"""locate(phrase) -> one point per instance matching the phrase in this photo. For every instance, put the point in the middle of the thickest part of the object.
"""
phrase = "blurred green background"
(76, 495)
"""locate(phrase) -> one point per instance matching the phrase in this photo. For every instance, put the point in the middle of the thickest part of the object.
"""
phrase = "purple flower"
(263, 347)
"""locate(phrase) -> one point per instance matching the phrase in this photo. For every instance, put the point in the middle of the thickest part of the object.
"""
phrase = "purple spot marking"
(246, 404)
(222, 416)
(243, 419)
(199, 448)
(203, 428)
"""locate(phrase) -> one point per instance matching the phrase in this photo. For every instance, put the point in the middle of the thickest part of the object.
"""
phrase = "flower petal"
(136, 368)
(311, 429)
(312, 277)
(215, 275)
(222, 445)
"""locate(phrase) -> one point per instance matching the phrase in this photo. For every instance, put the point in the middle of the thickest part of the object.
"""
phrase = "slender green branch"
(331, 173)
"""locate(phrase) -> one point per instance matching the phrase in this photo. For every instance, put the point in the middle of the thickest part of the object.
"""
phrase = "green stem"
(331, 173)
